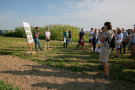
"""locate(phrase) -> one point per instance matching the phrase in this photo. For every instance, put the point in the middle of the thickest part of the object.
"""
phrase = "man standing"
(65, 38)
(36, 38)
(90, 40)
(81, 34)
(70, 37)
(94, 39)
(124, 40)
(47, 38)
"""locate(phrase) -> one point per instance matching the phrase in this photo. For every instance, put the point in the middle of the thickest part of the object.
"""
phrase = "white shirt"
(91, 34)
(47, 34)
(119, 37)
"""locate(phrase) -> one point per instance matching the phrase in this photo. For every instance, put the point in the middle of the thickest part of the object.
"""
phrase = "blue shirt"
(125, 34)
(134, 39)
(36, 32)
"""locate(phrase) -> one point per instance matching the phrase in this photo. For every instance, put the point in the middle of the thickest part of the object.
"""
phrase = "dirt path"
(30, 75)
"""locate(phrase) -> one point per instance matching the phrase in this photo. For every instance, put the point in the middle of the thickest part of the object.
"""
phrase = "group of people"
(67, 38)
(47, 35)
(108, 40)
(105, 38)
(122, 39)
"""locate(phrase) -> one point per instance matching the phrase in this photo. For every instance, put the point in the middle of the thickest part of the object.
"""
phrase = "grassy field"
(74, 59)
(4, 86)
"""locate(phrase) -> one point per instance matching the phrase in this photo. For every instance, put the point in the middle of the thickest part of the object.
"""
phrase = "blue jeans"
(37, 42)
(70, 40)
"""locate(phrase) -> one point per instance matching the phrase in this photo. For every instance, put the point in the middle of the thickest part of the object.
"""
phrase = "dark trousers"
(65, 44)
(123, 46)
(94, 41)
(79, 43)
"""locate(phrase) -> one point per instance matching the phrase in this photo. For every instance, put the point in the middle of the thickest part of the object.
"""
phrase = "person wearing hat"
(119, 38)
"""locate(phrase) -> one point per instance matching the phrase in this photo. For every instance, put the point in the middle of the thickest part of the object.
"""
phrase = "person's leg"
(45, 44)
(94, 44)
(121, 47)
(106, 68)
(39, 45)
(35, 44)
(66, 43)
(124, 47)
(79, 42)
(116, 52)
(71, 40)
(91, 43)
(48, 44)
(68, 40)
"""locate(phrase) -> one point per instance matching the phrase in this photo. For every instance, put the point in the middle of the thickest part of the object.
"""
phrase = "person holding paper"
(36, 38)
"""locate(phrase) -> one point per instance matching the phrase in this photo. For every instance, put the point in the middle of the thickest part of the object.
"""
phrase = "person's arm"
(101, 38)
(130, 36)
(90, 34)
(97, 35)
(37, 34)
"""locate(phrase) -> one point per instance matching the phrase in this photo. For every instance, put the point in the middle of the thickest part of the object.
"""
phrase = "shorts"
(47, 40)
(90, 40)
(104, 54)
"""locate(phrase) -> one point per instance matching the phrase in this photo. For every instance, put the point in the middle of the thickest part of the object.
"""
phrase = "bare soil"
(29, 75)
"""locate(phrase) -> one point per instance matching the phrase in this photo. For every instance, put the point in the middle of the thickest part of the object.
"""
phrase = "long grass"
(56, 32)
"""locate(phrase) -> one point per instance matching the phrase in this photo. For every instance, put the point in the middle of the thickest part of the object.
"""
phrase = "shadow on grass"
(5, 53)
(74, 86)
(56, 72)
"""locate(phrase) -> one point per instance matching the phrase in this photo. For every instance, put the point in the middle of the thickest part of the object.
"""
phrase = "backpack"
(112, 42)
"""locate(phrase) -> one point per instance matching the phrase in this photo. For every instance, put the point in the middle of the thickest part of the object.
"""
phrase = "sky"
(81, 13)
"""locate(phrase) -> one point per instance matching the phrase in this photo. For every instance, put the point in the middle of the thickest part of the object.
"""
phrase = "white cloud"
(82, 13)
(94, 13)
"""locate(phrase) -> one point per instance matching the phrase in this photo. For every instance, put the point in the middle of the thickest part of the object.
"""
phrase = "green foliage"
(56, 32)
(10, 33)
(4, 86)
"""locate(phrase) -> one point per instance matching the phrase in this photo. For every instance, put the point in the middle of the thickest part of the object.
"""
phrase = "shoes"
(104, 76)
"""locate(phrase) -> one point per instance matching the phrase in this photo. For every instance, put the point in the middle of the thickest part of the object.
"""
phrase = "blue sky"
(81, 13)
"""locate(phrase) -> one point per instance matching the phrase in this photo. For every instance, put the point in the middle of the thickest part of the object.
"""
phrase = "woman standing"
(81, 34)
(66, 38)
(70, 37)
(119, 38)
(47, 38)
(106, 36)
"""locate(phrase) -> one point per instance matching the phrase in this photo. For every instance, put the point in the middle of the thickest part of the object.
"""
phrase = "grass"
(4, 86)
(74, 59)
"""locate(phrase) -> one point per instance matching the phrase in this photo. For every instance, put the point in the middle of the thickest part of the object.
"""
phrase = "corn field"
(56, 32)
